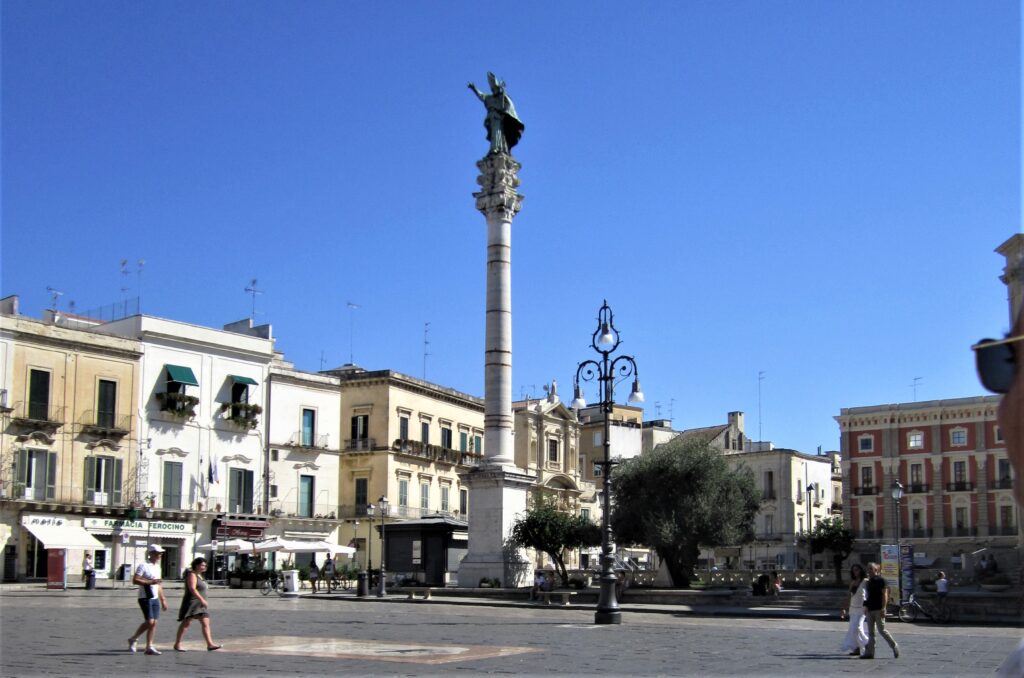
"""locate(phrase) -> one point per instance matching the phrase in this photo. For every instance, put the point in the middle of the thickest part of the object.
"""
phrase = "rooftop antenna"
(138, 283)
(657, 410)
(352, 308)
(251, 289)
(760, 378)
(124, 279)
(55, 294)
(321, 360)
(671, 408)
(71, 306)
(426, 344)
(913, 385)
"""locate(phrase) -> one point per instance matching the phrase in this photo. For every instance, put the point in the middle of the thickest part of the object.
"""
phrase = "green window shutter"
(117, 481)
(90, 479)
(247, 499)
(51, 475)
(21, 467)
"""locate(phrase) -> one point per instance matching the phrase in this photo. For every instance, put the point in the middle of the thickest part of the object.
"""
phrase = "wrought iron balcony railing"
(105, 423)
(360, 444)
(917, 488)
(959, 486)
(865, 490)
(38, 414)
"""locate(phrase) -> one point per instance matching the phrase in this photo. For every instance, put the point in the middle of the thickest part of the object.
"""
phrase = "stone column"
(497, 490)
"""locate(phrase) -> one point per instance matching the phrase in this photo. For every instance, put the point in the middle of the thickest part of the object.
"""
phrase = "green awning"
(244, 380)
(181, 375)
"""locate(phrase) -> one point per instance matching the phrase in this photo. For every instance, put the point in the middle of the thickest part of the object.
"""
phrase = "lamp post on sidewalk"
(605, 340)
(383, 504)
(897, 496)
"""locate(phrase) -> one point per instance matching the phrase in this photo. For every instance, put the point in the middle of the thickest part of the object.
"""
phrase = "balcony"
(37, 416)
(436, 453)
(799, 498)
(1002, 531)
(294, 508)
(918, 533)
(360, 444)
(768, 495)
(917, 488)
(304, 440)
(959, 486)
(1002, 484)
(106, 424)
(867, 534)
(837, 507)
(178, 405)
(242, 415)
(65, 495)
(865, 490)
(961, 532)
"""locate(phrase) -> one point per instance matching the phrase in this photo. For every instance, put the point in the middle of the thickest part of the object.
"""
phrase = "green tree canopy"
(547, 529)
(833, 534)
(680, 497)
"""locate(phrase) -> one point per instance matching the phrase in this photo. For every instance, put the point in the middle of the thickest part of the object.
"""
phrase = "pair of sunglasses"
(996, 360)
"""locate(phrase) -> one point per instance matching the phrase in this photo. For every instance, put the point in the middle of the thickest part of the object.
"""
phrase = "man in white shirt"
(151, 597)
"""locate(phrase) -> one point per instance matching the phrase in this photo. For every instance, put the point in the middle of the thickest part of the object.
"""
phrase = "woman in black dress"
(194, 606)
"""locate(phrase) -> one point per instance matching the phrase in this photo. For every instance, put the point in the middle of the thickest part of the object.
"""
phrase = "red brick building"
(950, 457)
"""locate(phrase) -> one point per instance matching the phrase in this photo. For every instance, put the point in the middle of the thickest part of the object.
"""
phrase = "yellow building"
(406, 440)
(68, 444)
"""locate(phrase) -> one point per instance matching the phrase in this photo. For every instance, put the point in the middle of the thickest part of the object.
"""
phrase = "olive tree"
(680, 497)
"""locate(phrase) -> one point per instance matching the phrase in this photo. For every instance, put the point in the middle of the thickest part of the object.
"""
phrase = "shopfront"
(124, 544)
(54, 546)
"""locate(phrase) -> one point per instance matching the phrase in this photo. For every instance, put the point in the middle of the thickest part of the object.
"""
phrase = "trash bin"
(90, 579)
(362, 584)
(291, 581)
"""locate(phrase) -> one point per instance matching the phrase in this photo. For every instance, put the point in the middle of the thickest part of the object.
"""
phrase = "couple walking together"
(152, 600)
(869, 596)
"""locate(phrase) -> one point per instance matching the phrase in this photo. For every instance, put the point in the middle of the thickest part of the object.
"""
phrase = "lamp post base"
(608, 617)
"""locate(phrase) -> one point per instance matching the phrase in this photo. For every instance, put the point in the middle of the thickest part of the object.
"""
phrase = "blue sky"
(809, 189)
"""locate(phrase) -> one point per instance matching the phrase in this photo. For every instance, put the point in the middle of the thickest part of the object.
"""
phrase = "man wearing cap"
(151, 597)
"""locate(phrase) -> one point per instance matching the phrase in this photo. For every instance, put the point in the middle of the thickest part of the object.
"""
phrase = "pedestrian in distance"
(327, 572)
(942, 587)
(314, 573)
(856, 637)
(195, 606)
(999, 369)
(875, 603)
(776, 587)
(538, 585)
(88, 573)
(151, 597)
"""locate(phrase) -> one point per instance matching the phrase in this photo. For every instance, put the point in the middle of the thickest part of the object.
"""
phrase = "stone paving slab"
(51, 633)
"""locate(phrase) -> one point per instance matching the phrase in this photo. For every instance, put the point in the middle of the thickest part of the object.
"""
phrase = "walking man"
(151, 597)
(874, 611)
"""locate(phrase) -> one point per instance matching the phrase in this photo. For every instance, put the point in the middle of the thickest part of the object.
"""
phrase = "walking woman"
(856, 636)
(194, 606)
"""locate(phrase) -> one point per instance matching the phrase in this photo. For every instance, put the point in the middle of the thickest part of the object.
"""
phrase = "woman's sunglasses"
(997, 363)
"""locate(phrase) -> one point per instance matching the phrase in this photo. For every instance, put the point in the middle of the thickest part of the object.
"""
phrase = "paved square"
(389, 651)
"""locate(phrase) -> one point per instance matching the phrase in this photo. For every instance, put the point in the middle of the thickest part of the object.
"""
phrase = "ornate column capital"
(499, 179)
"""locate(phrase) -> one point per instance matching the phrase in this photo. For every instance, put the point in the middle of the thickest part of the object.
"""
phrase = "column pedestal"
(497, 497)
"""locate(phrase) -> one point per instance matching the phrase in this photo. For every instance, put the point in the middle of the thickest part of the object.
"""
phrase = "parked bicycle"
(339, 582)
(274, 583)
(937, 612)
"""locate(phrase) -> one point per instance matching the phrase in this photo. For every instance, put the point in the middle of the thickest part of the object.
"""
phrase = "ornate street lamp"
(383, 504)
(605, 340)
(897, 495)
(811, 489)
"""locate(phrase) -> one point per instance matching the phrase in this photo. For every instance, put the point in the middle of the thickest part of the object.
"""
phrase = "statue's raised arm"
(503, 125)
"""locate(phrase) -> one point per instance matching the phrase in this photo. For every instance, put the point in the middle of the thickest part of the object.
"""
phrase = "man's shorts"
(150, 608)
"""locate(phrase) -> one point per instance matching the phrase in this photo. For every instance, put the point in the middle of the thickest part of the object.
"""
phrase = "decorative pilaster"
(1013, 273)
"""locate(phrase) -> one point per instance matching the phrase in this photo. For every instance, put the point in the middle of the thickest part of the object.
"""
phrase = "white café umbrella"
(300, 546)
(228, 546)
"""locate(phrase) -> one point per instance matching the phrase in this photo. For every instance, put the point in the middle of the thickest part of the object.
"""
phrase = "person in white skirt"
(856, 635)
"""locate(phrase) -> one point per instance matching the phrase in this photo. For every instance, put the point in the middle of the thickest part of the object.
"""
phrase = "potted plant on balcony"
(243, 415)
(178, 405)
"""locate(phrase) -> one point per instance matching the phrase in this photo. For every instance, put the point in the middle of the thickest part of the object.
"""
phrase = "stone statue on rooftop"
(503, 125)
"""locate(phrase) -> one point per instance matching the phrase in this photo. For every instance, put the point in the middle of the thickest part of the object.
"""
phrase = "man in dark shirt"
(874, 612)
